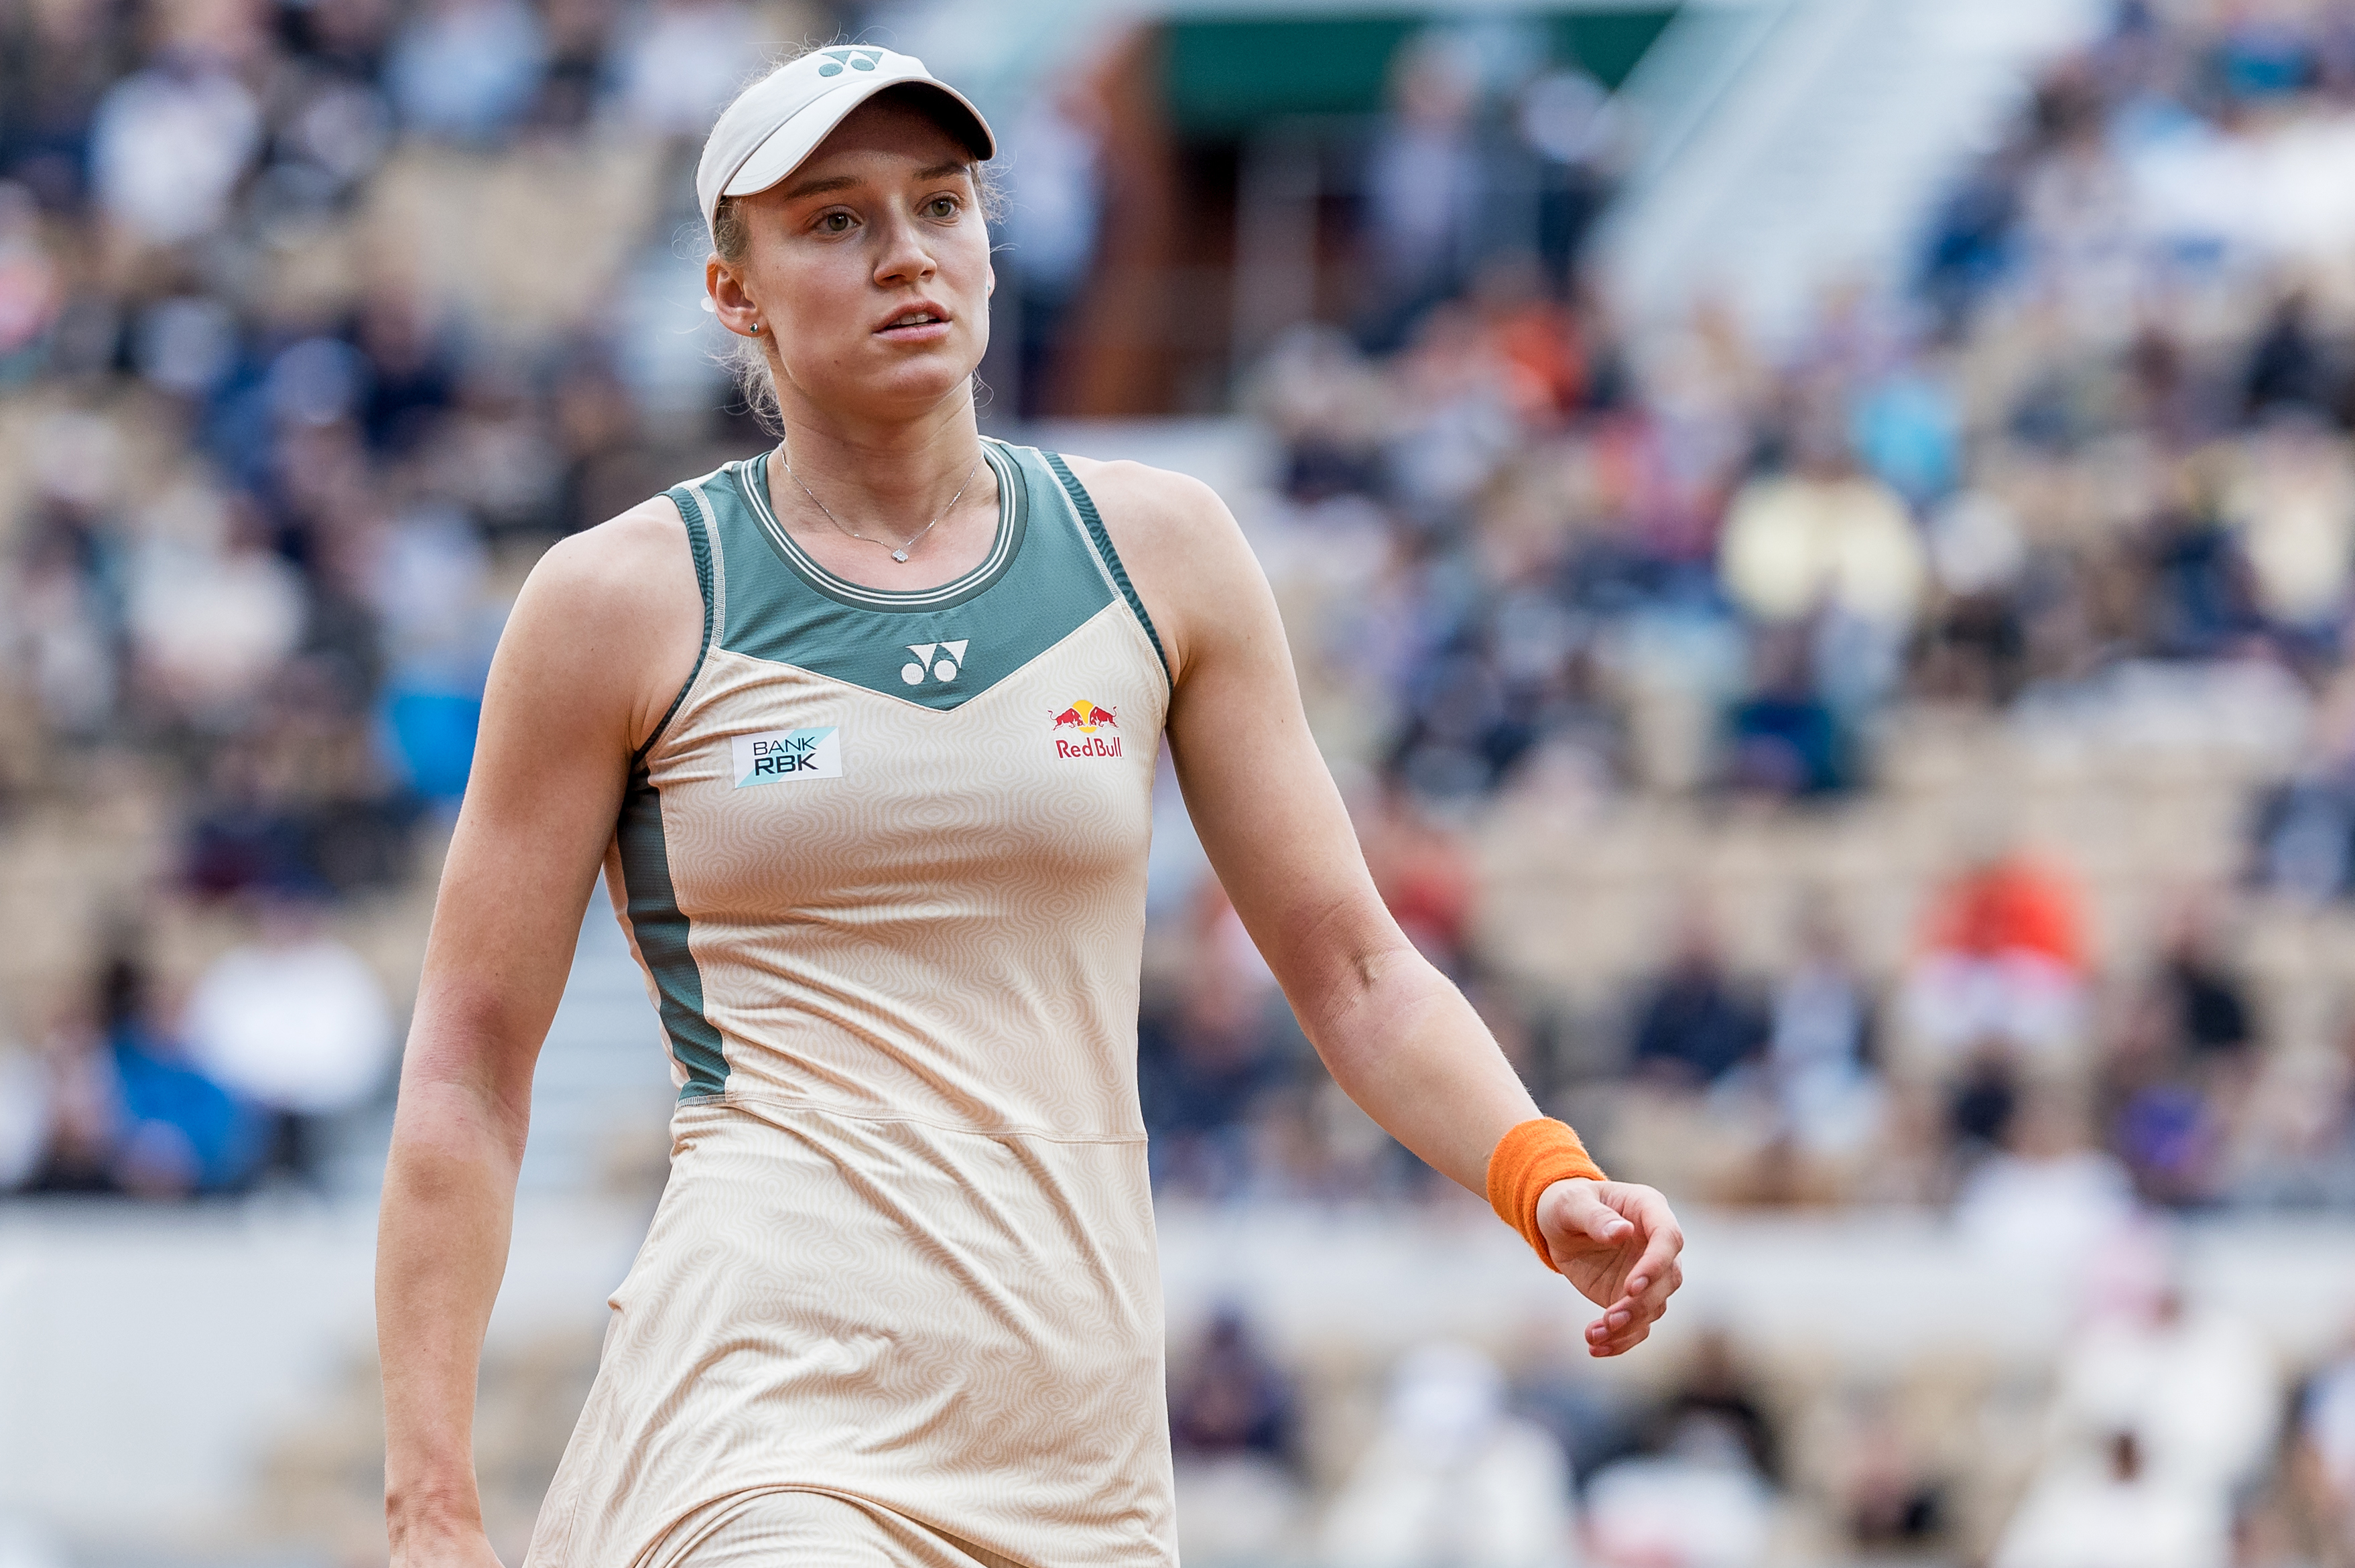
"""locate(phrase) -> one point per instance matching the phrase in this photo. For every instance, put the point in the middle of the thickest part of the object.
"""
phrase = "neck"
(878, 476)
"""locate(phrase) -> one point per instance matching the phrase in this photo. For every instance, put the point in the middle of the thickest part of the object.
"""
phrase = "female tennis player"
(861, 732)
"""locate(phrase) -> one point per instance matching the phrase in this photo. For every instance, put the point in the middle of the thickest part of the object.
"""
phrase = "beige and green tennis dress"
(883, 865)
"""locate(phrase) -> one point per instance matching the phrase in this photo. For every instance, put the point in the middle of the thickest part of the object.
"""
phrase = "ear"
(991, 287)
(724, 295)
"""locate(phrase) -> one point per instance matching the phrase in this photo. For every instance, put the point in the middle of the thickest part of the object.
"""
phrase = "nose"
(904, 259)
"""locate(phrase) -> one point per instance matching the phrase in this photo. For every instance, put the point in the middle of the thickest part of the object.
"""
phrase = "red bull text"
(1087, 718)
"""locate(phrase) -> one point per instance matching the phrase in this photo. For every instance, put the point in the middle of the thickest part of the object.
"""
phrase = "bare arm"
(604, 632)
(1395, 1033)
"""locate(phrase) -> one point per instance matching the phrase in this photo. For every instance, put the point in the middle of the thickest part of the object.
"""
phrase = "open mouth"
(913, 320)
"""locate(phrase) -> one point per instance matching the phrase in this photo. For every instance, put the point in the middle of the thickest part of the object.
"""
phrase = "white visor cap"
(780, 120)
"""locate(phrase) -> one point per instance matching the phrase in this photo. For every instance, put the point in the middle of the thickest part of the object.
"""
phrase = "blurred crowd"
(2170, 1437)
(2098, 446)
(287, 406)
(289, 401)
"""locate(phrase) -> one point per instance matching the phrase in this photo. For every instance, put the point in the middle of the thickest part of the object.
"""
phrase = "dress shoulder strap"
(1083, 505)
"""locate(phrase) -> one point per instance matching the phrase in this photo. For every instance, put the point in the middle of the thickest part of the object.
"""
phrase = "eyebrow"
(818, 188)
(844, 182)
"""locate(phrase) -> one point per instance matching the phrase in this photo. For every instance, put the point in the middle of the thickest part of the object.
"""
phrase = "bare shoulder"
(1181, 545)
(1153, 505)
(612, 566)
(619, 604)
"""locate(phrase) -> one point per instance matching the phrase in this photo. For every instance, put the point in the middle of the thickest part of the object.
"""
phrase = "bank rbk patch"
(783, 755)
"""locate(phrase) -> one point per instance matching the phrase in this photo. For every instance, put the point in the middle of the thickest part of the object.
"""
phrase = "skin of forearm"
(449, 1205)
(1403, 1043)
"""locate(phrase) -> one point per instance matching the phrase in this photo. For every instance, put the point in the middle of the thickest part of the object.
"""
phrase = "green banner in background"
(1225, 75)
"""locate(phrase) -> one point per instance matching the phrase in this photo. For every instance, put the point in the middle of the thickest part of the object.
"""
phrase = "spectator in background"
(1697, 1496)
(2047, 1194)
(1818, 1048)
(2117, 1517)
(24, 1115)
(1885, 1485)
(1827, 543)
(169, 145)
(212, 610)
(1231, 1418)
(1783, 740)
(2324, 1438)
(81, 1117)
(1577, 129)
(2003, 963)
(1451, 1476)
(2204, 993)
(31, 289)
(1975, 648)
(1424, 874)
(1056, 162)
(1554, 1384)
(121, 1109)
(1905, 428)
(2292, 507)
(2287, 369)
(1714, 1392)
(2178, 1069)
(1457, 424)
(2303, 831)
(1233, 1400)
(2293, 1135)
(429, 583)
(679, 61)
(412, 381)
(298, 1025)
(180, 1132)
(1205, 1063)
(577, 41)
(1424, 184)
(1698, 1023)
(2195, 1387)
(466, 71)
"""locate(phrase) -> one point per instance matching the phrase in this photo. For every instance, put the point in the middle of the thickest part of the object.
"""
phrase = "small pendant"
(899, 555)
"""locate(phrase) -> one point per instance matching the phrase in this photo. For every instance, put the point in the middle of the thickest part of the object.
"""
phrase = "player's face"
(868, 267)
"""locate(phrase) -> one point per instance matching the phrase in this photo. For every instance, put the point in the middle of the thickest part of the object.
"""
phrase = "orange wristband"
(1529, 1159)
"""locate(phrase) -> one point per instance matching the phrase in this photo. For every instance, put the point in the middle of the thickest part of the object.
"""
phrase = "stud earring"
(756, 329)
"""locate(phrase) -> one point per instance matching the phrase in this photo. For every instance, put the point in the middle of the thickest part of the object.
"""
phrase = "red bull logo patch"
(1087, 719)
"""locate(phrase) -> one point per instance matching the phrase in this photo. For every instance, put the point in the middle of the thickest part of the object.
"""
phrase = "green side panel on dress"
(941, 646)
(661, 929)
(650, 901)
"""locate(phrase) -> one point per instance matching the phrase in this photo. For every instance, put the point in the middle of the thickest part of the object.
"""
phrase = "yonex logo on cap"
(856, 59)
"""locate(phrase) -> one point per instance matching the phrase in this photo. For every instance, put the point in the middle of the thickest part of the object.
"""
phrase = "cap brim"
(789, 145)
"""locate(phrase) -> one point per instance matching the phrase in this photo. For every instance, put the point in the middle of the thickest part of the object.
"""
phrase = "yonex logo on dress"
(946, 667)
(783, 754)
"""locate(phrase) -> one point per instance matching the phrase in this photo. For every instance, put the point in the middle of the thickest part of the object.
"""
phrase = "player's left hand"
(1618, 1243)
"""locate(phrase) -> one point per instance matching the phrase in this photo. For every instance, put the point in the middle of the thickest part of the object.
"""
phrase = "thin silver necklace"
(900, 552)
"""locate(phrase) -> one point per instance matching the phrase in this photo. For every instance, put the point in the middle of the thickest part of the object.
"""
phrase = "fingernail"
(1637, 1285)
(1618, 1320)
